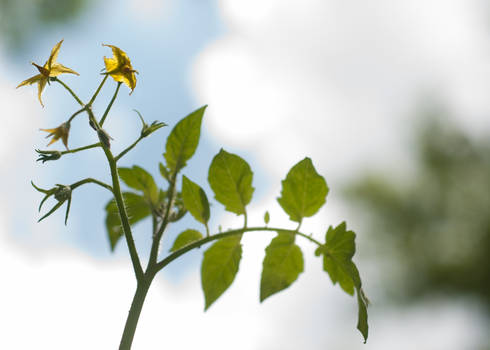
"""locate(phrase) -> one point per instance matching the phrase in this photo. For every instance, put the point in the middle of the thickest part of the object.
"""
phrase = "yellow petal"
(110, 64)
(128, 79)
(30, 81)
(40, 87)
(119, 55)
(53, 56)
(58, 68)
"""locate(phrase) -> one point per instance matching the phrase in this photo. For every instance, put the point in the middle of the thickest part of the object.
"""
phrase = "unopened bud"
(104, 138)
(62, 193)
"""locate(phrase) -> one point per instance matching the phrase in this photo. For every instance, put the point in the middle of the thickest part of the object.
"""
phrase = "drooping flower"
(50, 69)
(61, 132)
(119, 67)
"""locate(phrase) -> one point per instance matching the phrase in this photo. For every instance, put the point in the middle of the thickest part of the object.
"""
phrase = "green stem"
(75, 114)
(75, 150)
(160, 265)
(158, 236)
(120, 155)
(123, 215)
(134, 313)
(102, 120)
(91, 180)
(97, 91)
(69, 90)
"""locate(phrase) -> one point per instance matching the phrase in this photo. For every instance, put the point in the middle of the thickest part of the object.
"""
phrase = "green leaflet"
(339, 250)
(141, 180)
(267, 217)
(282, 265)
(303, 191)
(186, 238)
(337, 262)
(219, 267)
(230, 178)
(195, 200)
(183, 140)
(362, 317)
(137, 208)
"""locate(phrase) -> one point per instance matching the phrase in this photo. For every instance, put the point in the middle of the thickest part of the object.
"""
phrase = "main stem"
(142, 288)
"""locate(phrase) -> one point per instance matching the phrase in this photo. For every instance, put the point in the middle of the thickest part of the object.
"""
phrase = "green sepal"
(137, 208)
(219, 267)
(183, 140)
(282, 265)
(230, 178)
(146, 129)
(185, 238)
(303, 191)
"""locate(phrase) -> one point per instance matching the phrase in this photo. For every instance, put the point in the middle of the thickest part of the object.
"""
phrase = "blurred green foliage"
(432, 228)
(21, 19)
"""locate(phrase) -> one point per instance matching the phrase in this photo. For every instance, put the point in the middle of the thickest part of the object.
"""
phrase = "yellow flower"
(61, 132)
(50, 69)
(119, 67)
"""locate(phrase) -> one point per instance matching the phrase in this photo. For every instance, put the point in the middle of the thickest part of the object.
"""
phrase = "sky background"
(338, 81)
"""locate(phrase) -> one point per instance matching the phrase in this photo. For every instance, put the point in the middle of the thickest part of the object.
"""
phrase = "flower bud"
(104, 138)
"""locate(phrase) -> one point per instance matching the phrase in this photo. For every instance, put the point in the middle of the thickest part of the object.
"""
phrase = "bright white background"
(338, 81)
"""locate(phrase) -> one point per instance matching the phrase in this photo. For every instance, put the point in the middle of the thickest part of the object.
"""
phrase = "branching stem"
(160, 265)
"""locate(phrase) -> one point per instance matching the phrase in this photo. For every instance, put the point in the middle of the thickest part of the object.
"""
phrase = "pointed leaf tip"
(183, 140)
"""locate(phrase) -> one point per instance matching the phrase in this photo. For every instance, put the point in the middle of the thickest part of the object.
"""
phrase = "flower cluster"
(118, 67)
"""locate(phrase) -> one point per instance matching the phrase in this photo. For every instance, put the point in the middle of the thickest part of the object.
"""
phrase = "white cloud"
(328, 79)
(338, 80)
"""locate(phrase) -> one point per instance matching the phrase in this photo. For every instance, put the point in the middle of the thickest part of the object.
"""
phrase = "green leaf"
(337, 262)
(141, 180)
(338, 251)
(267, 217)
(137, 208)
(183, 140)
(219, 267)
(195, 200)
(230, 178)
(303, 191)
(186, 238)
(362, 318)
(282, 265)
